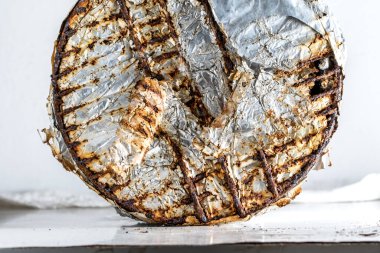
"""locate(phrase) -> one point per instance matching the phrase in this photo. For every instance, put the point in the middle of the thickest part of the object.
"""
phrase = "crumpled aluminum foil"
(194, 111)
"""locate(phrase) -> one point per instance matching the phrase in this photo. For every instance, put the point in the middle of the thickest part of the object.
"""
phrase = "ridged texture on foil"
(195, 111)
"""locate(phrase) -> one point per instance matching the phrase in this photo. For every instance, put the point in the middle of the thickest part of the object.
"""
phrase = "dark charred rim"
(128, 206)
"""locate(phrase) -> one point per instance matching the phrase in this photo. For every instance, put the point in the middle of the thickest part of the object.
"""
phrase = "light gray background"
(29, 28)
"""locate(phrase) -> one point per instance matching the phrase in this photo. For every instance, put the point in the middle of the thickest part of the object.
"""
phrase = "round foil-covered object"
(195, 111)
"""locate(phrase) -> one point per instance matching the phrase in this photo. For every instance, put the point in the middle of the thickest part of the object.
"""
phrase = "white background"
(27, 32)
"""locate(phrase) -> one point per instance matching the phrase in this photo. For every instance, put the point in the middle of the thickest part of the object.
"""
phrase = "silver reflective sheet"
(187, 111)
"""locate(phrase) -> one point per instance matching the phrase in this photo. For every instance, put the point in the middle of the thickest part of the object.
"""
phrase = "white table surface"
(296, 223)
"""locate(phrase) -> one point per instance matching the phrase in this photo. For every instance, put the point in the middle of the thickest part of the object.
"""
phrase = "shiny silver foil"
(195, 111)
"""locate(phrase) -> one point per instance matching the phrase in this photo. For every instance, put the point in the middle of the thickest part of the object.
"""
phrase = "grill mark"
(75, 50)
(197, 108)
(94, 81)
(312, 64)
(165, 56)
(143, 63)
(339, 93)
(71, 128)
(301, 160)
(86, 161)
(57, 100)
(61, 74)
(336, 92)
(315, 59)
(69, 70)
(204, 195)
(142, 131)
(269, 175)
(67, 91)
(151, 106)
(155, 40)
(300, 176)
(229, 65)
(106, 20)
(168, 20)
(113, 17)
(153, 22)
(73, 109)
(199, 212)
(143, 85)
(199, 177)
(323, 94)
(232, 187)
(147, 119)
(196, 105)
(84, 173)
(325, 75)
(280, 149)
(94, 119)
(80, 127)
